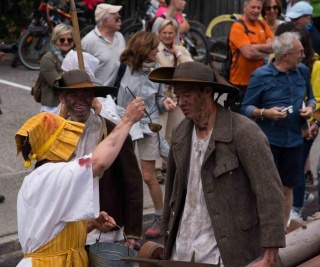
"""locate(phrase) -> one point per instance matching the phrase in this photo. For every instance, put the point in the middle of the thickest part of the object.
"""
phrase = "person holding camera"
(272, 89)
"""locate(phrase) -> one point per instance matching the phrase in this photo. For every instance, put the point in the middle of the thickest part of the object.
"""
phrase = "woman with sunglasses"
(50, 66)
(271, 11)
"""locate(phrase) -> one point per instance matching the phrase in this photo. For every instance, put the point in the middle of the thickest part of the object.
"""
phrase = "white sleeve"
(53, 195)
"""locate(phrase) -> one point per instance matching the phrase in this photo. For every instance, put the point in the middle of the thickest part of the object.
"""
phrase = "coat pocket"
(246, 221)
(226, 166)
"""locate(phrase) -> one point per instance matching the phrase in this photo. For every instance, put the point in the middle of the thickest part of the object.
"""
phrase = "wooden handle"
(74, 19)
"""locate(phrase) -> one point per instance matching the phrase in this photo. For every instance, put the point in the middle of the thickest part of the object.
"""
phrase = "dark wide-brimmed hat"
(79, 79)
(193, 73)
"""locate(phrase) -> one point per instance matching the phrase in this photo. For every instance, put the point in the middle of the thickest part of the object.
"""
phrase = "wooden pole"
(76, 30)
(302, 244)
(77, 40)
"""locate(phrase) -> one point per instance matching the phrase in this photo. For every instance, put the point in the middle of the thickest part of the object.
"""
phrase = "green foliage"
(14, 18)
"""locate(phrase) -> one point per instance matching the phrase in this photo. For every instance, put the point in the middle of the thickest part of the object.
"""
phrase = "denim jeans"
(298, 191)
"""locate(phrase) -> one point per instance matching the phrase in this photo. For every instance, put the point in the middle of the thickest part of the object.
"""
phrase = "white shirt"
(50, 197)
(195, 233)
(108, 54)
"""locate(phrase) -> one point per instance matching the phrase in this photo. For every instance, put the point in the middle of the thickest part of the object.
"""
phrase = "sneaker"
(154, 231)
(294, 215)
(160, 177)
(308, 198)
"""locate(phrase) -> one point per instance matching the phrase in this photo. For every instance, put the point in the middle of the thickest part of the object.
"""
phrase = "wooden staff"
(75, 24)
(77, 40)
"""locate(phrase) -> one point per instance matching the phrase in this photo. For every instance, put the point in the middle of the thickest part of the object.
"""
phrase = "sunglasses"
(117, 18)
(268, 8)
(69, 40)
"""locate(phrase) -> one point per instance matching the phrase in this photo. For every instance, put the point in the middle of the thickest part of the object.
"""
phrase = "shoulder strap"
(121, 71)
(261, 24)
(247, 31)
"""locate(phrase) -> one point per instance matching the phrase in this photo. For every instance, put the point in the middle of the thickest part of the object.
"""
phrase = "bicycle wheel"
(198, 25)
(86, 30)
(129, 31)
(128, 22)
(34, 43)
(197, 45)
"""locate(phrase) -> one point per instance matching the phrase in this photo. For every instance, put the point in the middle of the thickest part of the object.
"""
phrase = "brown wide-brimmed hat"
(79, 79)
(193, 73)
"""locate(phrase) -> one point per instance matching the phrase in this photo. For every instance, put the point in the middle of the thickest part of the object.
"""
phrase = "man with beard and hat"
(223, 196)
(121, 188)
(58, 201)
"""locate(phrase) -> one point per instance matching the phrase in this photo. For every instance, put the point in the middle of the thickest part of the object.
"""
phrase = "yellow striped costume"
(65, 250)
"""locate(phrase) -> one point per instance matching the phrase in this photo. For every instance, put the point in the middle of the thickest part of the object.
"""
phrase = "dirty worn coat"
(241, 185)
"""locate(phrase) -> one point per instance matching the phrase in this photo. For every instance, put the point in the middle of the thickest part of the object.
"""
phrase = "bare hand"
(275, 113)
(130, 243)
(104, 222)
(169, 104)
(135, 110)
(269, 258)
(306, 112)
(312, 133)
(96, 106)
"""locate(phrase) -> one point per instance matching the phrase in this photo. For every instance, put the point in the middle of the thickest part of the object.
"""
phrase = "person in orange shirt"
(248, 48)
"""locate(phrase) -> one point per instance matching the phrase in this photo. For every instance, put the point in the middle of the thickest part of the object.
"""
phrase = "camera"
(8, 48)
(288, 109)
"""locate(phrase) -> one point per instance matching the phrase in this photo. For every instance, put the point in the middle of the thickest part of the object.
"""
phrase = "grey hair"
(248, 1)
(59, 30)
(106, 16)
(284, 42)
(167, 22)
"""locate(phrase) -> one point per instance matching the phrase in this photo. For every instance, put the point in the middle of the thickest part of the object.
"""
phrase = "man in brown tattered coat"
(223, 199)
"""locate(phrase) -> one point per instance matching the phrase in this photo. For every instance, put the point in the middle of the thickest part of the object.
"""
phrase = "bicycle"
(194, 40)
(35, 40)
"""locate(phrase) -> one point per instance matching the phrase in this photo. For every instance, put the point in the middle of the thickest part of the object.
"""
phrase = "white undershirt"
(195, 233)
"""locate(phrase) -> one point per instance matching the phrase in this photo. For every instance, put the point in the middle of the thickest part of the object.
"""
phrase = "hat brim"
(99, 91)
(165, 75)
(293, 15)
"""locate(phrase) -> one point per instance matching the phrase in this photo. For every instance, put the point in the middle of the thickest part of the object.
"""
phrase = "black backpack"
(220, 51)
